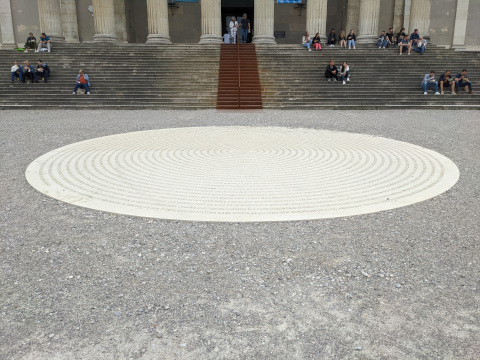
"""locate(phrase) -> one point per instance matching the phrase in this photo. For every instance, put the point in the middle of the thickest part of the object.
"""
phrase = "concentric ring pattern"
(241, 174)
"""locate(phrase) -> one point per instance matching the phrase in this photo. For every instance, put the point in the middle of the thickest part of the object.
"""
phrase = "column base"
(56, 38)
(158, 39)
(8, 46)
(367, 39)
(210, 39)
(99, 38)
(264, 40)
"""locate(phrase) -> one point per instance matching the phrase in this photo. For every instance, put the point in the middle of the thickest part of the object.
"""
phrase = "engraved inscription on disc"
(241, 174)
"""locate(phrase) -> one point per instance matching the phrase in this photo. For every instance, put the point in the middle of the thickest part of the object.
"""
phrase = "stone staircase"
(130, 76)
(293, 78)
(238, 81)
(186, 76)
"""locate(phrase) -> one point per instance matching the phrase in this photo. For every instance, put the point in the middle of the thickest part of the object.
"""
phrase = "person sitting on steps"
(405, 43)
(316, 41)
(342, 40)
(331, 73)
(16, 70)
(31, 43)
(345, 72)
(28, 72)
(43, 71)
(44, 43)
(82, 82)
(400, 35)
(332, 38)
(382, 41)
(351, 39)
(429, 81)
(461, 80)
(306, 40)
(421, 45)
(414, 37)
(391, 40)
(446, 80)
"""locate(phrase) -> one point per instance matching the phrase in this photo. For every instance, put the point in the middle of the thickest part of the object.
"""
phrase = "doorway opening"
(237, 8)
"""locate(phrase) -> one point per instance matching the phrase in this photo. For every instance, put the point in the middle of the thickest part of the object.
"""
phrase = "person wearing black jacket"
(332, 38)
(351, 39)
(43, 71)
(331, 73)
(391, 41)
(400, 36)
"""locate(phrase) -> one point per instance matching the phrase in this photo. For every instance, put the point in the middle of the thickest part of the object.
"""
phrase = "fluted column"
(264, 19)
(460, 24)
(406, 16)
(420, 17)
(158, 32)
(353, 13)
(104, 16)
(398, 15)
(69, 20)
(368, 21)
(317, 18)
(6, 25)
(211, 22)
(51, 19)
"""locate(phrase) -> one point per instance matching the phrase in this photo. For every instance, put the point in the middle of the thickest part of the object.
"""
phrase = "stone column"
(158, 32)
(368, 22)
(69, 20)
(420, 17)
(211, 22)
(6, 26)
(120, 20)
(406, 16)
(460, 24)
(264, 19)
(353, 11)
(51, 19)
(317, 18)
(104, 16)
(398, 15)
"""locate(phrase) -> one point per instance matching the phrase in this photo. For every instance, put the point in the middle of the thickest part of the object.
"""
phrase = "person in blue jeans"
(429, 81)
(461, 80)
(83, 82)
(420, 46)
(16, 71)
(414, 37)
(382, 40)
(245, 24)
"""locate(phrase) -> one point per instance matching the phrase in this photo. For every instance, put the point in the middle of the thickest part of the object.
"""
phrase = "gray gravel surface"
(83, 284)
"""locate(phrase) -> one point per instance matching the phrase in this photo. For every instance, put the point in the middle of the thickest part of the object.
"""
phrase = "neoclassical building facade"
(449, 23)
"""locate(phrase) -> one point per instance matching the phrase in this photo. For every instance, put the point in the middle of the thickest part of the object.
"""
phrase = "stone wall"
(473, 26)
(25, 20)
(287, 19)
(385, 20)
(86, 26)
(185, 25)
(442, 22)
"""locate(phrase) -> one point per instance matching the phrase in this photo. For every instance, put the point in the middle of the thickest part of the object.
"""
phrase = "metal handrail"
(238, 68)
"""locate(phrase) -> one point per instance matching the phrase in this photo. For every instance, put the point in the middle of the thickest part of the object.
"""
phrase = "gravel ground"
(82, 284)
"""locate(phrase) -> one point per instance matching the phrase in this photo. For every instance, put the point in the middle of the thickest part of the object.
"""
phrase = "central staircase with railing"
(238, 80)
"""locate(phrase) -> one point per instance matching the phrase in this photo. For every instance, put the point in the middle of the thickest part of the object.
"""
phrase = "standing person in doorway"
(245, 23)
(233, 29)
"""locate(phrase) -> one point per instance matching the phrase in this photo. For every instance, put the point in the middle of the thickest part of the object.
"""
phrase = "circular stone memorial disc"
(240, 174)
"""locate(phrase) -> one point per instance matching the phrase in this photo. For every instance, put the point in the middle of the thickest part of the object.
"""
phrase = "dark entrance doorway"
(236, 8)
